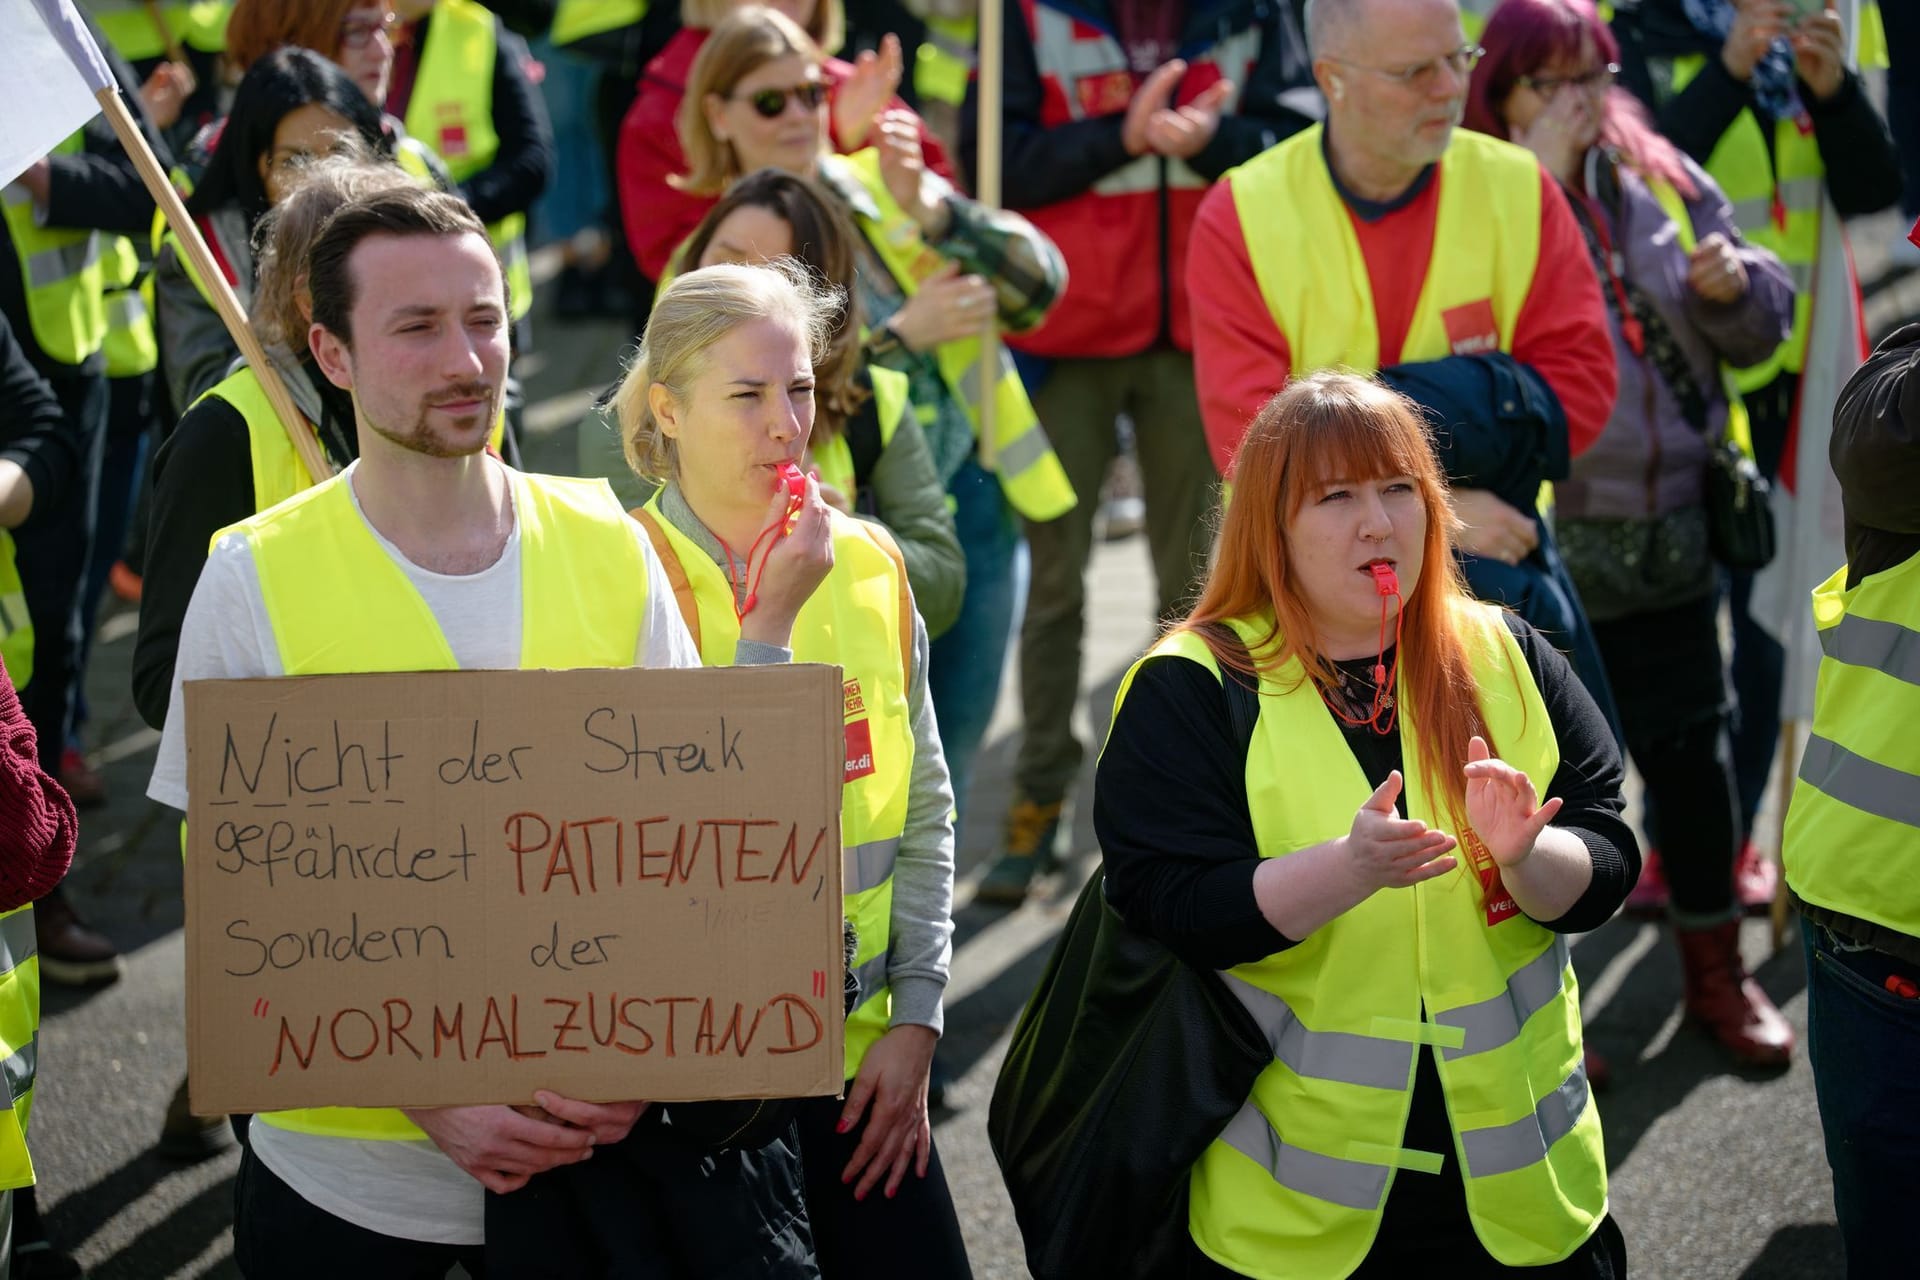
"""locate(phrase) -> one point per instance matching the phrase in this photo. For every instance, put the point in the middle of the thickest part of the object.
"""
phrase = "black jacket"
(1862, 169)
(1875, 452)
(33, 431)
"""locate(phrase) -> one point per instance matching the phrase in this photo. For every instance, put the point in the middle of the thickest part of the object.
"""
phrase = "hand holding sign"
(1500, 806)
(499, 1146)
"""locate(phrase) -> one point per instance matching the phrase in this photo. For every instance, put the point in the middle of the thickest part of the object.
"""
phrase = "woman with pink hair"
(1685, 296)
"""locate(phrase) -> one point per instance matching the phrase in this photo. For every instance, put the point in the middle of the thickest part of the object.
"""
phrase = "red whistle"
(1385, 580)
(789, 477)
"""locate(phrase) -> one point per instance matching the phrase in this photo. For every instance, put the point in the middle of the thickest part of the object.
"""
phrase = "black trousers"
(1670, 682)
(279, 1235)
(917, 1233)
(52, 551)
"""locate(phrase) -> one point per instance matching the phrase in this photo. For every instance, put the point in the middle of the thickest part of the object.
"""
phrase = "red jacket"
(658, 215)
(1241, 358)
(1125, 257)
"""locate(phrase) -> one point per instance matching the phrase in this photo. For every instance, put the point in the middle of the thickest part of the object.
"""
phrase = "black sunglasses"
(771, 103)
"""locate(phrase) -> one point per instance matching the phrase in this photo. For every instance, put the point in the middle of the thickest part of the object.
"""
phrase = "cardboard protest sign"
(432, 889)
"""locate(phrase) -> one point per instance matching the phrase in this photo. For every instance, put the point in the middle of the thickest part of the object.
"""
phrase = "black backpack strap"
(1242, 690)
(864, 443)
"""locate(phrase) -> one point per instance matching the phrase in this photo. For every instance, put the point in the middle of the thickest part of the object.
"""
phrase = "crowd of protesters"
(1451, 347)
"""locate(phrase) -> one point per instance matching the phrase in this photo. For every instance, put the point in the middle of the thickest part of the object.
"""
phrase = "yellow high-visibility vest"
(575, 20)
(1307, 260)
(1295, 1184)
(1035, 483)
(129, 27)
(19, 1042)
(1776, 187)
(945, 60)
(131, 346)
(16, 627)
(583, 604)
(1852, 841)
(451, 110)
(60, 273)
(833, 455)
(861, 620)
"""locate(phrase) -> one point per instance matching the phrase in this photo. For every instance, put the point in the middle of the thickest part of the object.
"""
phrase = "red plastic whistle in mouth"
(1385, 580)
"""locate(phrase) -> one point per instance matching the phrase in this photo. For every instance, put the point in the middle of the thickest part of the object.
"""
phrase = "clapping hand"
(1153, 124)
(1386, 851)
(862, 95)
(1819, 53)
(1501, 806)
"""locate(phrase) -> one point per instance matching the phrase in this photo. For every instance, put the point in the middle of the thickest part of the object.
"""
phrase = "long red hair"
(1526, 36)
(1336, 425)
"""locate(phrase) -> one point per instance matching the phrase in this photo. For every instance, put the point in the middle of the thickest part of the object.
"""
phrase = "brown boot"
(1729, 1004)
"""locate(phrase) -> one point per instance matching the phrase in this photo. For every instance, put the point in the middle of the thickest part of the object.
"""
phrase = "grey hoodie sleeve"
(195, 347)
(920, 939)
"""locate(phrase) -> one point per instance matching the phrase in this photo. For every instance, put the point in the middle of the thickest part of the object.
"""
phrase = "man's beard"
(419, 437)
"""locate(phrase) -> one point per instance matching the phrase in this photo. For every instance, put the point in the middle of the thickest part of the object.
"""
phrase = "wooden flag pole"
(175, 53)
(224, 301)
(1789, 769)
(987, 191)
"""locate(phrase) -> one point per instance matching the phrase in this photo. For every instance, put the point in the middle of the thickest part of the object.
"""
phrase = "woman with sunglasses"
(876, 1194)
(934, 268)
(659, 214)
(1685, 296)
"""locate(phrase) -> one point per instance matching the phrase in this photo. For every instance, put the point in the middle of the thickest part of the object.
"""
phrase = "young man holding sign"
(428, 554)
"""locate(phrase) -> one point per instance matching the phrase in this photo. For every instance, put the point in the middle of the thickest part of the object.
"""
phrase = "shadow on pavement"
(168, 1246)
(1808, 1251)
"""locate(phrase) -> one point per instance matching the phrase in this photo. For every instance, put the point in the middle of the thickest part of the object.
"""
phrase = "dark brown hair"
(402, 211)
(823, 243)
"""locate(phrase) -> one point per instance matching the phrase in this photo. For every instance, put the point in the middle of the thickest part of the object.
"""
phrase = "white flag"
(1806, 503)
(51, 68)
(1809, 524)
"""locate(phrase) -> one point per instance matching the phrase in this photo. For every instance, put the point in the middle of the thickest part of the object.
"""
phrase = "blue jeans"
(968, 661)
(1864, 1042)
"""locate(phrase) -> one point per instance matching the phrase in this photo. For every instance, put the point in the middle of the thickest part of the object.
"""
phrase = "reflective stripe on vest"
(860, 619)
(1853, 826)
(61, 272)
(131, 346)
(19, 1041)
(16, 626)
(1776, 186)
(577, 19)
(582, 604)
(451, 110)
(1307, 260)
(1036, 484)
(1295, 1184)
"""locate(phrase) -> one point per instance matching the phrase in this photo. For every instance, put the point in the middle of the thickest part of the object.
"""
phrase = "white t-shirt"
(407, 1189)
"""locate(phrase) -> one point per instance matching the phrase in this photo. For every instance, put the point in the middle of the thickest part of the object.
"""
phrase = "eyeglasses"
(1422, 75)
(772, 103)
(357, 33)
(1594, 81)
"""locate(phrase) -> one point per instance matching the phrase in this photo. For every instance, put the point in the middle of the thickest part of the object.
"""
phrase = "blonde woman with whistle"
(1373, 870)
(717, 409)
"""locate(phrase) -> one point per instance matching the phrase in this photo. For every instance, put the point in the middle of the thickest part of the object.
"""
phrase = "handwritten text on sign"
(458, 887)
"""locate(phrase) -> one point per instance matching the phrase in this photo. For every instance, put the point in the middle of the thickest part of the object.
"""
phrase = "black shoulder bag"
(1125, 1065)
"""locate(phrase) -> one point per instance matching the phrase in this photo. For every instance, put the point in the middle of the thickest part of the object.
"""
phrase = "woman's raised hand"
(948, 307)
(1501, 806)
(862, 95)
(1386, 851)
